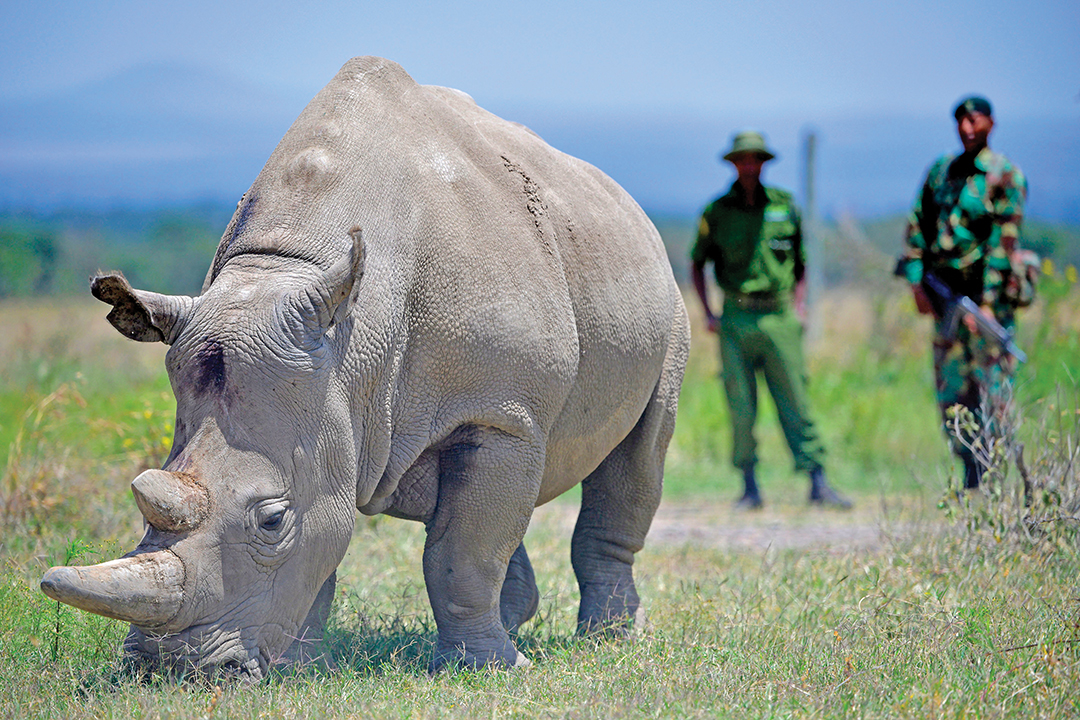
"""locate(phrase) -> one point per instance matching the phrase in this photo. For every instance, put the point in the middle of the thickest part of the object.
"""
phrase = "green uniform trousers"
(772, 343)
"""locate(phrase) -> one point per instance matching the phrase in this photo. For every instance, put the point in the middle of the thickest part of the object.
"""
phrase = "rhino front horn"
(146, 590)
(171, 502)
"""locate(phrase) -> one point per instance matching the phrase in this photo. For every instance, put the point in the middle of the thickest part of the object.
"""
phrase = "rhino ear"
(343, 278)
(140, 315)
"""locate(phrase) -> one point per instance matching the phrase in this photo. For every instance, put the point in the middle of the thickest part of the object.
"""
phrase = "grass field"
(913, 605)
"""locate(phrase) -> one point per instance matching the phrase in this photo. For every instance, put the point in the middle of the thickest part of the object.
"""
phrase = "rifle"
(952, 308)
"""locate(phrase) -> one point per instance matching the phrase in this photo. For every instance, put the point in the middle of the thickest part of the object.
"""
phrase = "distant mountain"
(172, 134)
(148, 102)
(156, 133)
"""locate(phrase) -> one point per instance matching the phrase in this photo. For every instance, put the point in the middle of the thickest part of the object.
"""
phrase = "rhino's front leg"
(488, 483)
(308, 648)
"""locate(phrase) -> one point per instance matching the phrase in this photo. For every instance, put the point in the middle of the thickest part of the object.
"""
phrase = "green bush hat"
(972, 104)
(748, 142)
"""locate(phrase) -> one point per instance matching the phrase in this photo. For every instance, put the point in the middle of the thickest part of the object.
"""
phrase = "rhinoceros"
(418, 309)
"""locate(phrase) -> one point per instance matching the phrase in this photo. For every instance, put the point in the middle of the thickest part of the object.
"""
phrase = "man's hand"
(922, 302)
(799, 301)
(969, 320)
(697, 272)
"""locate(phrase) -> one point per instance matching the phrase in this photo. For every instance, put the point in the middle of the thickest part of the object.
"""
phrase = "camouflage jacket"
(756, 250)
(965, 224)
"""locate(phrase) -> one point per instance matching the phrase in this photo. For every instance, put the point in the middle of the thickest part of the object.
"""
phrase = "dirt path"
(781, 528)
(778, 527)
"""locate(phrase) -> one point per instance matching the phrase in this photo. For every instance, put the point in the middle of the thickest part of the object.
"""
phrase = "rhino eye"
(274, 527)
(271, 519)
(273, 522)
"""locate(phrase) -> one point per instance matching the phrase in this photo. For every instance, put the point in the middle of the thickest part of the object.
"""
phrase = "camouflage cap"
(973, 104)
(748, 142)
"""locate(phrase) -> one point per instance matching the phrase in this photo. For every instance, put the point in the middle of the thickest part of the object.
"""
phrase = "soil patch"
(778, 527)
(764, 529)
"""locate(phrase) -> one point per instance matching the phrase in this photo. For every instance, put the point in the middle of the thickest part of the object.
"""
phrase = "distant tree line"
(855, 251)
(169, 250)
(164, 250)
(28, 260)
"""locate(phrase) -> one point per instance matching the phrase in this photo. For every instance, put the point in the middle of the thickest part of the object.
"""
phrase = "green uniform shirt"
(965, 224)
(756, 249)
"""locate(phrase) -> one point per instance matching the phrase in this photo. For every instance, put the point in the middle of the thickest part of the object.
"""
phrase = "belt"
(755, 302)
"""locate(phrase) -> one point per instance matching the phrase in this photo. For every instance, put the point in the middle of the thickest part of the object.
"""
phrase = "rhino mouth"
(197, 653)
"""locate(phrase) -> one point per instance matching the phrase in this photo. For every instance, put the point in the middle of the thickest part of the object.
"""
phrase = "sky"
(683, 55)
(781, 64)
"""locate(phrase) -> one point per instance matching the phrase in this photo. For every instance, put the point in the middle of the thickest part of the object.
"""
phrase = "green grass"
(970, 609)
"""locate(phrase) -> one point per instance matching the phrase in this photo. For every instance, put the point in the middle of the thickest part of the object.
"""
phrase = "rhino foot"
(607, 609)
(460, 658)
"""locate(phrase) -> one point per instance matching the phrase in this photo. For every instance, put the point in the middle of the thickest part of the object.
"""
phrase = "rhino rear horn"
(145, 590)
(171, 502)
(141, 315)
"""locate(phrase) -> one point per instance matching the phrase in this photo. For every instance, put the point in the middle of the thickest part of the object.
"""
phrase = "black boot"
(822, 494)
(751, 499)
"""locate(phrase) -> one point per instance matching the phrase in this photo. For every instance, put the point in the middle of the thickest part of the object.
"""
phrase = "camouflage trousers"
(976, 375)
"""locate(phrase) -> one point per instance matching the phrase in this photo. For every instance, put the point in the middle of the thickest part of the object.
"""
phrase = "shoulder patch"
(777, 195)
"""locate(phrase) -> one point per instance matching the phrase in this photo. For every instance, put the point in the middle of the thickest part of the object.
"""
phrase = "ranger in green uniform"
(753, 238)
(964, 228)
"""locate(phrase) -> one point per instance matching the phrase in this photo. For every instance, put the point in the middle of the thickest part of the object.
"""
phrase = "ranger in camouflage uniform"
(753, 237)
(964, 228)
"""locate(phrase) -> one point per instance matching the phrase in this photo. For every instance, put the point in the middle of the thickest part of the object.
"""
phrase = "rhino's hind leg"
(618, 501)
(519, 597)
(471, 538)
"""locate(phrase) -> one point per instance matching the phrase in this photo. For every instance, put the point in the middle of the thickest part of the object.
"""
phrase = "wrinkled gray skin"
(504, 327)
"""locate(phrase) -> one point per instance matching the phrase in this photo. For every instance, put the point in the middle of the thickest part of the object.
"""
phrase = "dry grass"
(35, 334)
